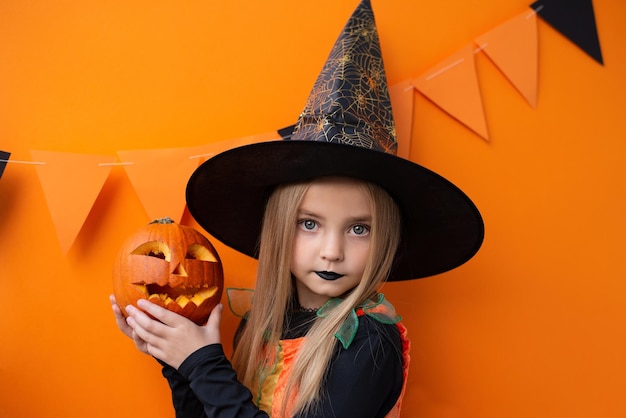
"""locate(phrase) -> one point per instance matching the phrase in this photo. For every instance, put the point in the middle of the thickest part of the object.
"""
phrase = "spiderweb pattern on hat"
(349, 102)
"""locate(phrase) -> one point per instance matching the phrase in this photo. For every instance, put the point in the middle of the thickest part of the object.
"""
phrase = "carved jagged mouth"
(164, 295)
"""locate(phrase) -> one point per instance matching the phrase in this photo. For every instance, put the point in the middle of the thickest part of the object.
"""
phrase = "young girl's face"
(332, 240)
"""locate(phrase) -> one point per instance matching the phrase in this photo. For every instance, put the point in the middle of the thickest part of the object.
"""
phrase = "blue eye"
(360, 229)
(308, 224)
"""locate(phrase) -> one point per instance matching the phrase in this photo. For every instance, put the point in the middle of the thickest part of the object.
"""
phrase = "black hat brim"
(442, 228)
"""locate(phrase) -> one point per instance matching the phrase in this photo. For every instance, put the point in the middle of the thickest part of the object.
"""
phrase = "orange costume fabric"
(271, 395)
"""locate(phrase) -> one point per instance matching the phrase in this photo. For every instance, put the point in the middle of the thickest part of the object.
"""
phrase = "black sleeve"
(214, 384)
(186, 403)
(206, 385)
(366, 379)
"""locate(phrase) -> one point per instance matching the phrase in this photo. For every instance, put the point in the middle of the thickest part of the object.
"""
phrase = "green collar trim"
(240, 300)
(380, 310)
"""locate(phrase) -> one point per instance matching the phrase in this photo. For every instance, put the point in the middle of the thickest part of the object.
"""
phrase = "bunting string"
(444, 69)
(23, 162)
(452, 85)
(191, 157)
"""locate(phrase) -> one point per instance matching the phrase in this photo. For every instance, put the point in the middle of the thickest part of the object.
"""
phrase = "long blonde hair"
(274, 293)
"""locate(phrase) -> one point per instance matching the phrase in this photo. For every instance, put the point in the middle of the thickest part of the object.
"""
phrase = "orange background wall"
(533, 326)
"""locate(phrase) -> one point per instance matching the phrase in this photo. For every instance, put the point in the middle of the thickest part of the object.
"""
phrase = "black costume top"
(364, 380)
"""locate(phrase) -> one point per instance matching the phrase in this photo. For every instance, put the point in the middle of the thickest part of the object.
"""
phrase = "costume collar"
(380, 310)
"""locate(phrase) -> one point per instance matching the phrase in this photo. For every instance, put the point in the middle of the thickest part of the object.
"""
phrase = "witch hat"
(345, 129)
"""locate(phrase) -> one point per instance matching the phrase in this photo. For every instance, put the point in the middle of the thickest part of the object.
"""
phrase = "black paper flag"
(575, 19)
(4, 157)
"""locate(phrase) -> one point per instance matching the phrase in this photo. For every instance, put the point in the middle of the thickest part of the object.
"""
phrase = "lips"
(328, 275)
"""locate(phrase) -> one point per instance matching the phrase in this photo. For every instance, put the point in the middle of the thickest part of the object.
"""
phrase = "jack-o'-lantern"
(173, 266)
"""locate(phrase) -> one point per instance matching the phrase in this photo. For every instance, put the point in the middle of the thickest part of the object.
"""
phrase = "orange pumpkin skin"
(173, 266)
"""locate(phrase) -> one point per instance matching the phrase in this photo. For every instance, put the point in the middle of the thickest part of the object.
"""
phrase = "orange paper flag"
(71, 184)
(160, 177)
(512, 47)
(401, 96)
(453, 86)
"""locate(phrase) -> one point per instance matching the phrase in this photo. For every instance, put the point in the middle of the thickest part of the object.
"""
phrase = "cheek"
(301, 250)
(296, 260)
(359, 254)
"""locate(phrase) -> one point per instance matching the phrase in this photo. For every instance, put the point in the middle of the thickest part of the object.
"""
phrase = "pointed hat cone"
(349, 102)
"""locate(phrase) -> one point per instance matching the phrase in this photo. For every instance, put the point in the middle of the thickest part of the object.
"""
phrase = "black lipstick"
(328, 275)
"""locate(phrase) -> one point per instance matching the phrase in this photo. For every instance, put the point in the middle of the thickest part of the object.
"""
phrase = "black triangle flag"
(286, 132)
(575, 19)
(4, 158)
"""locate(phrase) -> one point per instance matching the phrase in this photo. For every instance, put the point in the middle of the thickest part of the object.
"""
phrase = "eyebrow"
(353, 219)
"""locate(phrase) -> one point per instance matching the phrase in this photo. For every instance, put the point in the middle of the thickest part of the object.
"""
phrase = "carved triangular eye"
(200, 252)
(156, 249)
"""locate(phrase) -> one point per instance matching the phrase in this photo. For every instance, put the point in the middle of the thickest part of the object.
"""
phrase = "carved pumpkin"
(171, 265)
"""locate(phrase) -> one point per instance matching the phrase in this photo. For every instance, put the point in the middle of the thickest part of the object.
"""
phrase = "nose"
(332, 247)
(178, 276)
(179, 270)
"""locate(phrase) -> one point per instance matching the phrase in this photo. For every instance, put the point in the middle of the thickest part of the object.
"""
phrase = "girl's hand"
(171, 337)
(120, 320)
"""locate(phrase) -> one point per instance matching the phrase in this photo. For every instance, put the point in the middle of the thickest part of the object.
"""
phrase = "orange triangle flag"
(159, 177)
(512, 47)
(71, 184)
(401, 96)
(453, 86)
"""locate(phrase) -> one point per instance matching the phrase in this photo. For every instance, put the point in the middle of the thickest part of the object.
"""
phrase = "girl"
(338, 238)
(330, 213)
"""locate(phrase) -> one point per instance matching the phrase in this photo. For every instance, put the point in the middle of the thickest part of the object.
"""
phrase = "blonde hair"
(274, 293)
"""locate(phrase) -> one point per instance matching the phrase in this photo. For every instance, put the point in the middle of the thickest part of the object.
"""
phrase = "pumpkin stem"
(166, 220)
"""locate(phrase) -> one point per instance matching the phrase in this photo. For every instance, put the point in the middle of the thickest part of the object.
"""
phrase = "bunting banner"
(159, 177)
(4, 159)
(512, 47)
(574, 19)
(71, 183)
(453, 86)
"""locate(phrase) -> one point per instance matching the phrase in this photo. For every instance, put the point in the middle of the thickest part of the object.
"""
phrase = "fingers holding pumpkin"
(120, 320)
(161, 314)
(168, 336)
(147, 333)
(147, 319)
(211, 330)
